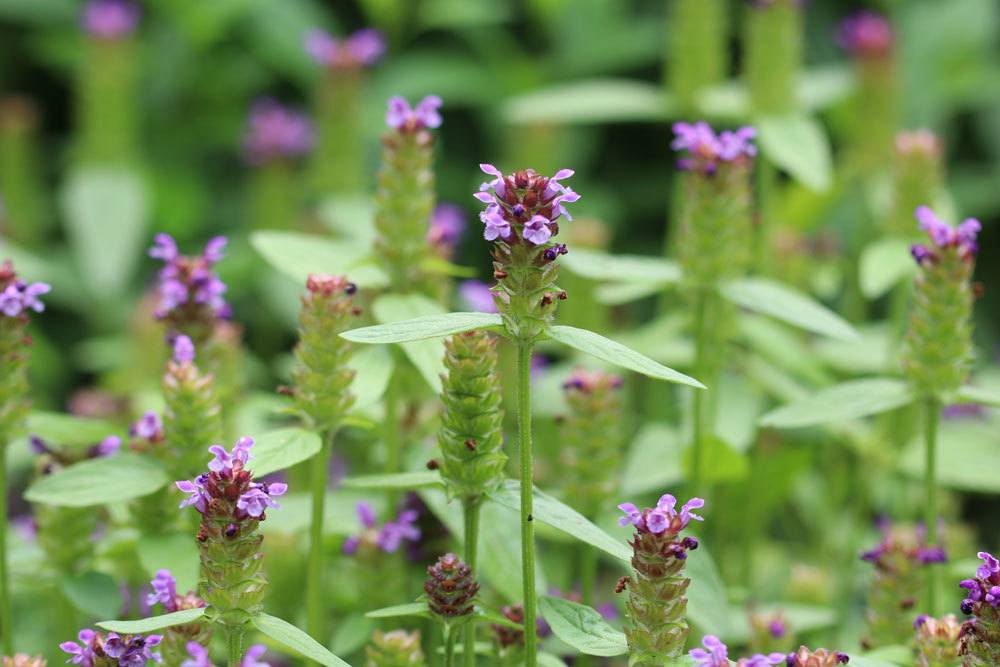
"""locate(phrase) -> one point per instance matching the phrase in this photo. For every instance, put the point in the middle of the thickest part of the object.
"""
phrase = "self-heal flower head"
(943, 237)
(275, 132)
(426, 114)
(93, 648)
(704, 151)
(714, 653)
(188, 287)
(663, 518)
(524, 206)
(387, 538)
(110, 19)
(866, 35)
(361, 49)
(18, 297)
(82, 652)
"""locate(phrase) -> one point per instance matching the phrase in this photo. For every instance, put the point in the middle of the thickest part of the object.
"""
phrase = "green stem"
(698, 426)
(391, 433)
(449, 647)
(315, 588)
(6, 611)
(527, 483)
(932, 410)
(588, 577)
(471, 510)
(234, 642)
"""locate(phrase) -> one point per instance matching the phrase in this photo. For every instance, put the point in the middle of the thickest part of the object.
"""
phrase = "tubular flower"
(190, 292)
(361, 49)
(17, 300)
(387, 538)
(980, 635)
(95, 649)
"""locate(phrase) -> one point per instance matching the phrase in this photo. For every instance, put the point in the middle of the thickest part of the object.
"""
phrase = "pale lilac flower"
(164, 248)
(148, 427)
(866, 34)
(82, 652)
(446, 226)
(224, 461)
(110, 19)
(361, 49)
(197, 496)
(943, 235)
(706, 151)
(761, 660)
(662, 518)
(199, 656)
(389, 537)
(477, 295)
(19, 297)
(537, 230)
(184, 281)
(260, 497)
(496, 226)
(107, 447)
(400, 116)
(164, 591)
(183, 350)
(275, 132)
(715, 653)
(253, 655)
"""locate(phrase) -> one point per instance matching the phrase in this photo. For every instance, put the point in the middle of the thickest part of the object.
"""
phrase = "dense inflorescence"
(191, 299)
(95, 649)
(937, 641)
(276, 133)
(177, 639)
(17, 300)
(192, 413)
(450, 588)
(980, 635)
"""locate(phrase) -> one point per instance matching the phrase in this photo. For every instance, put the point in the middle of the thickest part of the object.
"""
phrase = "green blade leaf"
(144, 625)
(616, 294)
(291, 637)
(622, 268)
(980, 395)
(842, 402)
(883, 265)
(105, 213)
(297, 255)
(372, 368)
(282, 448)
(95, 593)
(562, 517)
(176, 552)
(100, 481)
(67, 430)
(798, 145)
(616, 353)
(788, 305)
(708, 606)
(596, 101)
(420, 328)
(581, 627)
(426, 355)
(400, 610)
(399, 481)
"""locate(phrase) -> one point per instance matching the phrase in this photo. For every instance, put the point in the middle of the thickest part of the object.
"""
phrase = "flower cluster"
(388, 538)
(663, 519)
(819, 658)
(450, 587)
(396, 648)
(177, 639)
(165, 593)
(985, 588)
(18, 297)
(401, 116)
(716, 654)
(446, 229)
(149, 427)
(361, 49)
(226, 481)
(525, 206)
(190, 291)
(23, 660)
(93, 649)
(706, 151)
(198, 656)
(937, 640)
(110, 19)
(943, 236)
(275, 132)
(866, 35)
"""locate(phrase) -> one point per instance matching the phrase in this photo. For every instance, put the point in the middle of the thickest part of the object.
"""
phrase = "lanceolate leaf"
(291, 637)
(788, 305)
(153, 623)
(798, 145)
(980, 395)
(707, 603)
(595, 101)
(581, 627)
(411, 609)
(99, 481)
(283, 448)
(420, 328)
(622, 268)
(616, 353)
(406, 481)
(61, 430)
(883, 264)
(297, 255)
(848, 400)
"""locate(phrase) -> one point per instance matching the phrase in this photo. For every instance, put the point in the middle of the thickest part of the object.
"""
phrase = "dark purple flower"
(523, 205)
(477, 295)
(715, 653)
(110, 19)
(82, 650)
(985, 587)
(361, 49)
(188, 286)
(662, 518)
(401, 116)
(866, 35)
(275, 132)
(943, 236)
(705, 150)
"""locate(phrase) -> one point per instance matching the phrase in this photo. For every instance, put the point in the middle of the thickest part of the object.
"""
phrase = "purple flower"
(188, 287)
(224, 461)
(183, 350)
(447, 226)
(496, 227)
(149, 426)
(197, 496)
(253, 655)
(199, 656)
(110, 19)
(537, 230)
(761, 660)
(361, 49)
(662, 518)
(107, 447)
(82, 652)
(477, 295)
(260, 497)
(275, 132)
(866, 35)
(963, 411)
(524, 205)
(17, 296)
(944, 236)
(164, 591)
(400, 116)
(715, 653)
(705, 150)
(132, 651)
(985, 587)
(389, 537)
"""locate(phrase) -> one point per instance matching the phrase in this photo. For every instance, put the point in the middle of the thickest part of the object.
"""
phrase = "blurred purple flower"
(715, 653)
(944, 236)
(401, 116)
(447, 226)
(198, 656)
(476, 295)
(361, 49)
(706, 150)
(253, 656)
(148, 427)
(17, 296)
(110, 19)
(187, 283)
(389, 537)
(866, 35)
(275, 132)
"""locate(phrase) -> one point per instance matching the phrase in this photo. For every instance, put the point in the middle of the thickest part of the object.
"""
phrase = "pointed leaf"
(581, 627)
(554, 513)
(707, 603)
(979, 395)
(282, 448)
(616, 294)
(616, 353)
(595, 101)
(410, 609)
(291, 637)
(842, 402)
(788, 305)
(373, 368)
(144, 625)
(421, 328)
(297, 255)
(95, 593)
(405, 481)
(622, 268)
(99, 481)
(176, 552)
(798, 145)
(63, 430)
(883, 264)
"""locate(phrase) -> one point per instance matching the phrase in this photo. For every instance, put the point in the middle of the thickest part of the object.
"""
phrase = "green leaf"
(707, 603)
(595, 101)
(421, 328)
(968, 459)
(550, 660)
(99, 481)
(883, 265)
(62, 430)
(842, 402)
(654, 442)
(372, 370)
(95, 593)
(404, 481)
(798, 145)
(979, 395)
(352, 634)
(768, 297)
(297, 255)
(581, 627)
(105, 213)
(291, 637)
(616, 294)
(617, 354)
(728, 465)
(145, 625)
(496, 618)
(554, 513)
(622, 268)
(426, 355)
(410, 609)
(176, 552)
(283, 448)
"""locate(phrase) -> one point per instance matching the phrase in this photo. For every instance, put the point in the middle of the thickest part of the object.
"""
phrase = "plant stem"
(932, 410)
(315, 590)
(234, 641)
(449, 647)
(588, 576)
(471, 509)
(698, 425)
(6, 611)
(391, 432)
(527, 484)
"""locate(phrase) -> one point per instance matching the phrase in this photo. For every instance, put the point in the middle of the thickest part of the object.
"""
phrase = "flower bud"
(937, 641)
(450, 588)
(397, 648)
